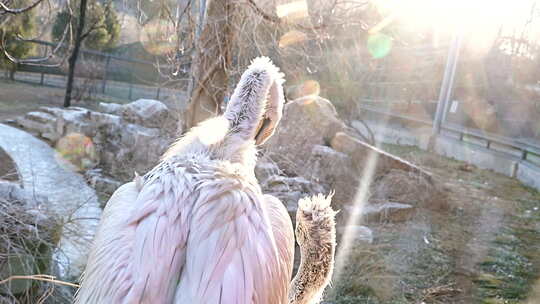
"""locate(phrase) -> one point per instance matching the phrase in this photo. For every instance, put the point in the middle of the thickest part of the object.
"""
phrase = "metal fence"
(466, 98)
(116, 75)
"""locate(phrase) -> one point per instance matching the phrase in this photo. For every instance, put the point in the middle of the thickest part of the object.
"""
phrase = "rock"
(68, 195)
(358, 233)
(111, 108)
(264, 169)
(104, 119)
(131, 141)
(290, 189)
(74, 120)
(146, 112)
(314, 143)
(410, 188)
(10, 122)
(131, 148)
(307, 88)
(34, 127)
(306, 122)
(291, 209)
(40, 117)
(283, 183)
(8, 169)
(334, 170)
(104, 185)
(385, 212)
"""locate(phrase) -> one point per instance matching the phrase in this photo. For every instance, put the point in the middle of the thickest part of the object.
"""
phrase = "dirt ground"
(17, 98)
(483, 248)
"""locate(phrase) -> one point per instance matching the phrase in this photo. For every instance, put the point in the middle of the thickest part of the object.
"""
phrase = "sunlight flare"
(360, 200)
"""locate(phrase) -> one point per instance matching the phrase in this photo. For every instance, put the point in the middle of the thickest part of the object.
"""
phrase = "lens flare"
(379, 45)
(360, 201)
(310, 87)
(293, 10)
(355, 217)
(290, 38)
(78, 150)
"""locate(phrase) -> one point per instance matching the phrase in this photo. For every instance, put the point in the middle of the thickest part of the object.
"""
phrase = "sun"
(476, 18)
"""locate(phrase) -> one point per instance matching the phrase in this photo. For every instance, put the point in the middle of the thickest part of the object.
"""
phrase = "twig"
(15, 11)
(39, 277)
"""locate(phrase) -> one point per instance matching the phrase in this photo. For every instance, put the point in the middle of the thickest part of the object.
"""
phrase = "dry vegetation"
(27, 238)
(482, 248)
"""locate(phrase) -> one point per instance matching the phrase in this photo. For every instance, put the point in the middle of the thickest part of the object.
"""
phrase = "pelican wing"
(283, 231)
(101, 258)
(231, 252)
(139, 249)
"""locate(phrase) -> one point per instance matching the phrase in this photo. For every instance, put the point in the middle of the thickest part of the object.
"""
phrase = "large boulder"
(409, 188)
(110, 108)
(306, 122)
(146, 112)
(314, 143)
(334, 170)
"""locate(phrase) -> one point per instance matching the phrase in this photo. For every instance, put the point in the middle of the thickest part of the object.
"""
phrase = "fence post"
(446, 88)
(104, 81)
(41, 80)
(158, 89)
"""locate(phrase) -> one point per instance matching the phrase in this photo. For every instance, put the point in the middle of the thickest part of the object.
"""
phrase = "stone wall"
(127, 138)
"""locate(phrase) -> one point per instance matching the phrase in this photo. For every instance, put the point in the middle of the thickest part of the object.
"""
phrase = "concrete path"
(45, 173)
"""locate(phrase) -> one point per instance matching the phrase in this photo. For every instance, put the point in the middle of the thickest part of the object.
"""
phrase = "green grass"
(513, 262)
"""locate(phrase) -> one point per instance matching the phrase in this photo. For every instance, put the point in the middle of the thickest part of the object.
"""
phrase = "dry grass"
(28, 235)
(45, 295)
(18, 98)
(411, 188)
(440, 294)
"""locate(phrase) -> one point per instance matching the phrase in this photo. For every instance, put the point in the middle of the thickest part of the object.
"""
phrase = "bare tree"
(75, 53)
(211, 62)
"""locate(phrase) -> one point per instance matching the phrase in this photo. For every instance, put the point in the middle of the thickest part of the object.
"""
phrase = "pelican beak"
(264, 131)
(273, 113)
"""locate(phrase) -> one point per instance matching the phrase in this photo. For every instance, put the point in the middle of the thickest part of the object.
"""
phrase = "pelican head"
(256, 105)
(252, 115)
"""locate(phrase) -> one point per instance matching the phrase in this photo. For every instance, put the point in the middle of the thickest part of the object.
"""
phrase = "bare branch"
(15, 11)
(39, 61)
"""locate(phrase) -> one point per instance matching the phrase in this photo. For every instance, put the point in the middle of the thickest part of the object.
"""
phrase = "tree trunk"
(73, 58)
(210, 63)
